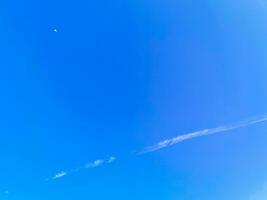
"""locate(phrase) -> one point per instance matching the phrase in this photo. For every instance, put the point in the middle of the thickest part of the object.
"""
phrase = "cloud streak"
(165, 143)
(180, 138)
(60, 175)
(94, 164)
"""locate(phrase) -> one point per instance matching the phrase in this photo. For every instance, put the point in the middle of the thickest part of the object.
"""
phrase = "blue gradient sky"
(120, 75)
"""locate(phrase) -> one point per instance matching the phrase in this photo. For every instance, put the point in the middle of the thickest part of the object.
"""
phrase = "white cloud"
(60, 175)
(96, 163)
(205, 132)
(166, 143)
(111, 159)
(89, 165)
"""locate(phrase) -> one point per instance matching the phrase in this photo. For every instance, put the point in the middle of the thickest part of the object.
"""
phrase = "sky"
(110, 100)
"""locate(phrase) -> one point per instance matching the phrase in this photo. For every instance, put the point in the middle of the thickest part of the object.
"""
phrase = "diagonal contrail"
(167, 143)
(89, 165)
(188, 136)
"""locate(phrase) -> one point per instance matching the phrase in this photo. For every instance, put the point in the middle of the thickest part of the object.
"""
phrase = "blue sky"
(119, 76)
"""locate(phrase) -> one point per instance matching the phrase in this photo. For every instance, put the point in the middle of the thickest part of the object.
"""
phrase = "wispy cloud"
(111, 159)
(205, 132)
(166, 143)
(59, 175)
(96, 163)
(93, 164)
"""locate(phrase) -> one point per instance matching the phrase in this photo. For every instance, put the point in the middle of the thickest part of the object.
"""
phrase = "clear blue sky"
(120, 75)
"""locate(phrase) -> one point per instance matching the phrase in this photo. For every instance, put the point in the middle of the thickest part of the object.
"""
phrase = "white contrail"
(188, 136)
(89, 165)
(60, 175)
(166, 143)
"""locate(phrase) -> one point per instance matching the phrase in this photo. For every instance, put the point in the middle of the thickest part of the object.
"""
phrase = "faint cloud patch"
(60, 175)
(111, 159)
(93, 164)
(96, 163)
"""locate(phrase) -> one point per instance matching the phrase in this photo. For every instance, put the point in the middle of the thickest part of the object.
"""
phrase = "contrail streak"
(205, 132)
(166, 143)
(94, 164)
